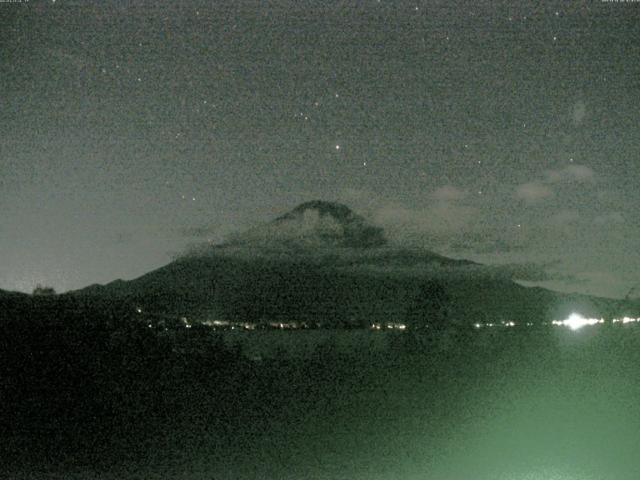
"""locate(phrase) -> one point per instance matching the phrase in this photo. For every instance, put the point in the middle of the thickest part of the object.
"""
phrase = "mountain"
(315, 224)
(323, 264)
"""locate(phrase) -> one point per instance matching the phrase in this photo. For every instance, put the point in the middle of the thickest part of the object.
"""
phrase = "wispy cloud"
(447, 213)
(438, 219)
(200, 231)
(487, 242)
(578, 112)
(571, 173)
(537, 191)
(563, 218)
(532, 272)
(448, 193)
(534, 192)
(611, 218)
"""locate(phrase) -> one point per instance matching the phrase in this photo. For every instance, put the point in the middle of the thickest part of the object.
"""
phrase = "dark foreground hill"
(324, 265)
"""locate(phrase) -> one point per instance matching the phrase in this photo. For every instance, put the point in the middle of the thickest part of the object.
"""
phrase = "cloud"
(446, 215)
(448, 193)
(314, 224)
(611, 218)
(578, 112)
(486, 242)
(442, 218)
(539, 190)
(563, 218)
(533, 192)
(530, 272)
(199, 231)
(310, 225)
(571, 173)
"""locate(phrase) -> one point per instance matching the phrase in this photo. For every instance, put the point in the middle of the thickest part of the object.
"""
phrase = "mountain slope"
(323, 264)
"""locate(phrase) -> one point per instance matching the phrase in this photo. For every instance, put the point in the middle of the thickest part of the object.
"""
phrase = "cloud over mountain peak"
(316, 223)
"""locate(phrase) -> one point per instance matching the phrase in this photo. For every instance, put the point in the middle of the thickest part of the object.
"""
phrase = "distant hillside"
(6, 293)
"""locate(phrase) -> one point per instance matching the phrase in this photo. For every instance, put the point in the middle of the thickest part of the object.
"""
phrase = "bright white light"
(577, 321)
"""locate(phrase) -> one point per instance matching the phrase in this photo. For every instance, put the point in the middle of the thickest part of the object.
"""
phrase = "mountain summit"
(317, 223)
(336, 210)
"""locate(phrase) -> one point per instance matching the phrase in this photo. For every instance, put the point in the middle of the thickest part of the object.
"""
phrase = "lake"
(542, 403)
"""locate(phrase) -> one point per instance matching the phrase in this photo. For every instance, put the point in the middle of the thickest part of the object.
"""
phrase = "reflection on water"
(465, 408)
(481, 404)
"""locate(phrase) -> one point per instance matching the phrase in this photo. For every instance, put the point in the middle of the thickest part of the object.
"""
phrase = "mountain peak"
(317, 223)
(336, 210)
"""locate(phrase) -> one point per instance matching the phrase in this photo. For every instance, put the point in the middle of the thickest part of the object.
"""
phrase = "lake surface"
(546, 403)
(550, 403)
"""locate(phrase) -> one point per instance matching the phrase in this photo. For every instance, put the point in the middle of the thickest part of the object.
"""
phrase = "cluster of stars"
(317, 109)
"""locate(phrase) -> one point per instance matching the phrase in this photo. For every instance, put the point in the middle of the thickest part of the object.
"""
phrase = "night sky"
(503, 132)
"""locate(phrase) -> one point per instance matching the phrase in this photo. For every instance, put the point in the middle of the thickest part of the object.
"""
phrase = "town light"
(577, 321)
